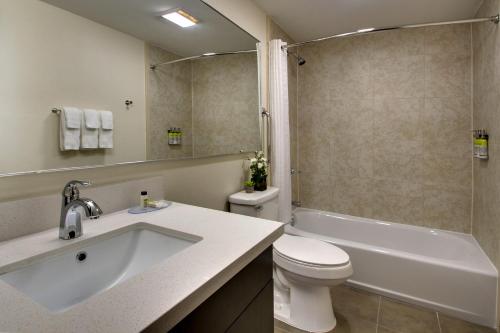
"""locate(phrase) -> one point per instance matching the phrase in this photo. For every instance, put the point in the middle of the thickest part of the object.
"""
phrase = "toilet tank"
(262, 204)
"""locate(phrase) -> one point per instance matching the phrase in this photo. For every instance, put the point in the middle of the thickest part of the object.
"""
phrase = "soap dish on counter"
(143, 210)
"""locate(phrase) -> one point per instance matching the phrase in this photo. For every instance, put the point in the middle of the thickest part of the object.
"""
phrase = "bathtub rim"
(488, 267)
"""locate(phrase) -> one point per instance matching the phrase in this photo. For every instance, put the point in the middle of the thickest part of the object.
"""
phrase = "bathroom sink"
(68, 278)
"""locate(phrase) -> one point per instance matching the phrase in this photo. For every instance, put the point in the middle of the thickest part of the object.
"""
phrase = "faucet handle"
(83, 183)
(71, 192)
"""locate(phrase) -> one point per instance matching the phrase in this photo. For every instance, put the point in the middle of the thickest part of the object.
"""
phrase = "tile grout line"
(378, 313)
(439, 322)
(471, 109)
(295, 148)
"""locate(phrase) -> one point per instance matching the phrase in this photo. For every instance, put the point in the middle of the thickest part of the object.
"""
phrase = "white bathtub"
(442, 270)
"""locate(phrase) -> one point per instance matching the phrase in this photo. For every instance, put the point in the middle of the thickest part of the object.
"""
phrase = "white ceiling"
(141, 18)
(309, 19)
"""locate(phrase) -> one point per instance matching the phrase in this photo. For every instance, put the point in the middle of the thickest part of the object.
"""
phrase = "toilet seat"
(309, 251)
(311, 258)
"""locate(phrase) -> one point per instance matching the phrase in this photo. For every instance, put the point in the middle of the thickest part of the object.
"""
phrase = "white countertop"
(176, 286)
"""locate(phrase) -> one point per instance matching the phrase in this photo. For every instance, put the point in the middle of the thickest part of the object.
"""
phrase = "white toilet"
(304, 268)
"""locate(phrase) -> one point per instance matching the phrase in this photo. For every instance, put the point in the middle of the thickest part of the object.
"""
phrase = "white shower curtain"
(280, 138)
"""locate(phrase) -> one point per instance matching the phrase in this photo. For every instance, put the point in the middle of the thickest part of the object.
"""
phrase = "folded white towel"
(92, 118)
(69, 132)
(107, 120)
(90, 129)
(72, 116)
(106, 130)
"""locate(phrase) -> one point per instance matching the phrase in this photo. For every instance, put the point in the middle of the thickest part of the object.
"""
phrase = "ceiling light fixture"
(181, 18)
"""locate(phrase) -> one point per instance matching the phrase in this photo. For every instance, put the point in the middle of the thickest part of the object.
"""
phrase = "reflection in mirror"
(96, 54)
(211, 101)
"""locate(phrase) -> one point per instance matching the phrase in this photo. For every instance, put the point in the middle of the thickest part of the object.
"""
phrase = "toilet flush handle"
(258, 207)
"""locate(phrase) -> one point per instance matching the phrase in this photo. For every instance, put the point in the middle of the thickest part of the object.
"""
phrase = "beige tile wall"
(486, 42)
(384, 126)
(169, 105)
(215, 102)
(486, 66)
(225, 105)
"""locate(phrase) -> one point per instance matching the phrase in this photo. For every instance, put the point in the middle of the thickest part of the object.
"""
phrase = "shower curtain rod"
(205, 55)
(494, 19)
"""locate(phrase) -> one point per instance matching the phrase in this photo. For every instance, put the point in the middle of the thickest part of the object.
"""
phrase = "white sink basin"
(66, 279)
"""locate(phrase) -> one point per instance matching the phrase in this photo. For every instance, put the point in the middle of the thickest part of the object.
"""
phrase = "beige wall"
(205, 182)
(384, 126)
(486, 46)
(51, 58)
(33, 204)
(244, 13)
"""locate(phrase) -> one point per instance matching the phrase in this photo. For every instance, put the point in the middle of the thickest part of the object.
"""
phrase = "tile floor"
(359, 311)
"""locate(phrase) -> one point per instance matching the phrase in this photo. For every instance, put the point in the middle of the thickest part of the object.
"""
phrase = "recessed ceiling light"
(181, 18)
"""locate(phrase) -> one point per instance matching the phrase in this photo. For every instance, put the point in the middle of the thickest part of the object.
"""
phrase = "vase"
(249, 189)
(260, 186)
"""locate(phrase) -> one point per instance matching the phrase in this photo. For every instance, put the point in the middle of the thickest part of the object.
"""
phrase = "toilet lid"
(310, 251)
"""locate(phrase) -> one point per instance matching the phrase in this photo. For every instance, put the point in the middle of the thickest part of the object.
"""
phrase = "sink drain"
(81, 256)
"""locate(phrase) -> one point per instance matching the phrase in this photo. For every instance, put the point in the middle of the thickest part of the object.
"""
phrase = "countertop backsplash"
(26, 216)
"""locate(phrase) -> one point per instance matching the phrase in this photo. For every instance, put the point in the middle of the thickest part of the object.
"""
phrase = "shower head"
(301, 61)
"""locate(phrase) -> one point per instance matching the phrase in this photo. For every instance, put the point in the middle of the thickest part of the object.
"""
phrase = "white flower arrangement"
(258, 168)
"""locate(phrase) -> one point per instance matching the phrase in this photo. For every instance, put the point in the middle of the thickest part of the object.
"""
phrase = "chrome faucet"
(70, 225)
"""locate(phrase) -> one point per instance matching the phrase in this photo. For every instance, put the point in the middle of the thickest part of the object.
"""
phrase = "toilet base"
(308, 308)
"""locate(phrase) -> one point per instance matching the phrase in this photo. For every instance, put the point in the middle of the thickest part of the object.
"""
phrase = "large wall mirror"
(180, 79)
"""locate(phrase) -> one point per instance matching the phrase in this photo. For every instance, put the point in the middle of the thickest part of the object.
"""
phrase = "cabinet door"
(258, 316)
(221, 310)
